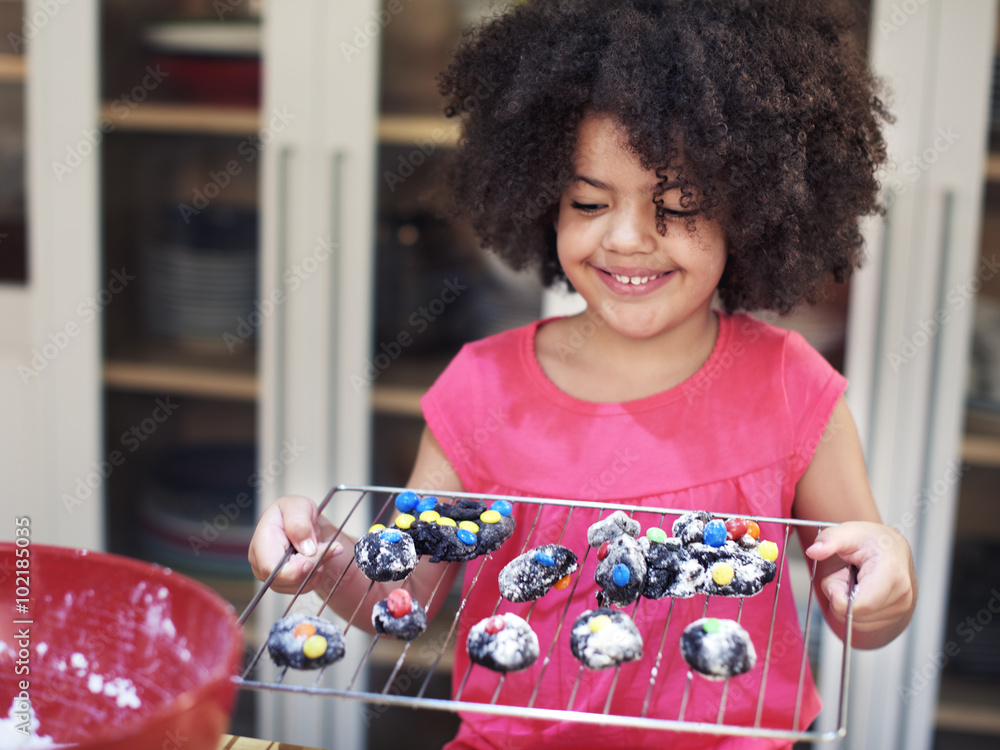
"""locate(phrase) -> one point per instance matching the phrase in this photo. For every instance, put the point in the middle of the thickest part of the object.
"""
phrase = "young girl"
(653, 153)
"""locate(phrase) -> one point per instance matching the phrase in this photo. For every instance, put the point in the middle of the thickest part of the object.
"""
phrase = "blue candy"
(502, 507)
(392, 536)
(466, 536)
(715, 533)
(545, 559)
(426, 503)
(621, 574)
(406, 501)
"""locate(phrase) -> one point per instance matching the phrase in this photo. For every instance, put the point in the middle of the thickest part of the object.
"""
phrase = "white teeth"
(636, 280)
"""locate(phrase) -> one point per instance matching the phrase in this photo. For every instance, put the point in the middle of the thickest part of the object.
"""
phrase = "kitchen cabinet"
(50, 288)
(307, 380)
(908, 354)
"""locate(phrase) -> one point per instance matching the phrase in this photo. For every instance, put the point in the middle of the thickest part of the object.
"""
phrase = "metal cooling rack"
(389, 694)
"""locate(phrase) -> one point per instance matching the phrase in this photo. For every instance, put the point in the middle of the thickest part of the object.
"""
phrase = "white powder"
(95, 683)
(13, 738)
(123, 691)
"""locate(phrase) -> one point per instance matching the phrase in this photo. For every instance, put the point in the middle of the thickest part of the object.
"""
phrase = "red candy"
(753, 529)
(399, 603)
(495, 625)
(736, 528)
(602, 551)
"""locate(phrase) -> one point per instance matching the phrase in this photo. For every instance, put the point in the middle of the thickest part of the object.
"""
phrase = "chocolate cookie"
(503, 643)
(304, 642)
(717, 648)
(605, 637)
(400, 616)
(385, 555)
(621, 570)
(532, 574)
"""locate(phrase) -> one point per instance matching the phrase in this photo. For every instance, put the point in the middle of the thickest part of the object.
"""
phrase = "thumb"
(837, 588)
(298, 516)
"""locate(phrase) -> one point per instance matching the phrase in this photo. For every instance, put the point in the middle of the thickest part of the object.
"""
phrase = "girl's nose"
(632, 230)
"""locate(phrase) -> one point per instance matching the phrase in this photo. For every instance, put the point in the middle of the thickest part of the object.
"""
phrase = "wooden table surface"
(229, 742)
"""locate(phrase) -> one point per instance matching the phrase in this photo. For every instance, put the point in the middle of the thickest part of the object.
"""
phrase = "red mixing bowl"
(120, 654)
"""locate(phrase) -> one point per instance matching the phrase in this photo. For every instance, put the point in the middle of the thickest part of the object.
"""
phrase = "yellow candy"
(404, 520)
(490, 516)
(469, 526)
(376, 527)
(599, 623)
(443, 520)
(314, 647)
(768, 550)
(430, 516)
(722, 573)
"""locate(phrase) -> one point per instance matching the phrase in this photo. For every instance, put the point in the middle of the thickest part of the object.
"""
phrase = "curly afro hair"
(769, 105)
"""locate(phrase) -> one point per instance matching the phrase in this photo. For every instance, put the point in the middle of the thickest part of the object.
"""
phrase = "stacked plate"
(199, 279)
(196, 511)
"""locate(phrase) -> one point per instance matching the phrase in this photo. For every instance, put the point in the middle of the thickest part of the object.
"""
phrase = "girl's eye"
(680, 214)
(587, 208)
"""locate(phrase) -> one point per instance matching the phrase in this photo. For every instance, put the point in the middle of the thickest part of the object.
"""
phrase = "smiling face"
(646, 285)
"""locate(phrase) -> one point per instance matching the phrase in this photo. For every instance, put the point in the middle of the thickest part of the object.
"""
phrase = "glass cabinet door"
(13, 249)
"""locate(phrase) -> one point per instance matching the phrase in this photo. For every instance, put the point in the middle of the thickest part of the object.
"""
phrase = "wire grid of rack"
(389, 695)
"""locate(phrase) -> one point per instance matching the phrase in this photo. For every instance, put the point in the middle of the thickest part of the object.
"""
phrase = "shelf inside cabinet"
(968, 706)
(12, 68)
(981, 450)
(403, 130)
(401, 401)
(993, 167)
(207, 120)
(183, 118)
(185, 372)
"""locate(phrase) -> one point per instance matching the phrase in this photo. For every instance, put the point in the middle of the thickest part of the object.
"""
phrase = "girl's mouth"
(634, 283)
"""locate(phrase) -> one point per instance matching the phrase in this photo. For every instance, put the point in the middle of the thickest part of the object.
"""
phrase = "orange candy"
(304, 630)
(753, 529)
(562, 583)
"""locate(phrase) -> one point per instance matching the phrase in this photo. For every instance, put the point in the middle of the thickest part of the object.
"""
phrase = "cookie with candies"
(534, 573)
(503, 643)
(453, 535)
(717, 649)
(399, 615)
(385, 554)
(621, 570)
(304, 642)
(605, 637)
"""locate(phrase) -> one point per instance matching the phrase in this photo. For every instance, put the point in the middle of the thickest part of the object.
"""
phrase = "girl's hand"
(291, 520)
(886, 593)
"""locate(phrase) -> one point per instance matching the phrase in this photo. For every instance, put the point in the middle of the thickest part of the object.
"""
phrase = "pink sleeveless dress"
(733, 439)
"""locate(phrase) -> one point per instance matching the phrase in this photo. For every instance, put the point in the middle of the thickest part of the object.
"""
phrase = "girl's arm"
(296, 520)
(835, 488)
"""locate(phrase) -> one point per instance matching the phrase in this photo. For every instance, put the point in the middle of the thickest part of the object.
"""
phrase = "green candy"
(711, 625)
(656, 535)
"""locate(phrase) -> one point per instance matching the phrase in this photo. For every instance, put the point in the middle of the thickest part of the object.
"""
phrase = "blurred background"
(225, 275)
